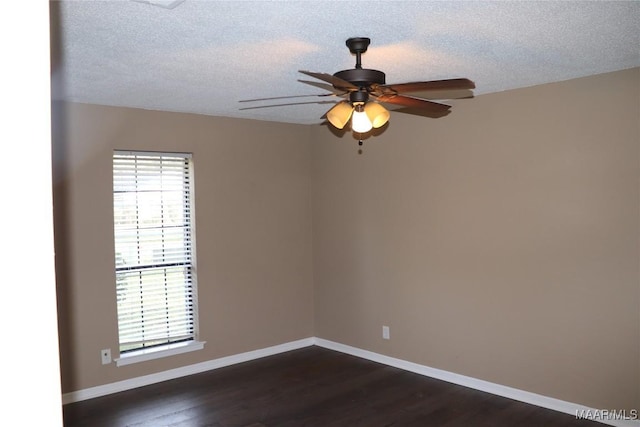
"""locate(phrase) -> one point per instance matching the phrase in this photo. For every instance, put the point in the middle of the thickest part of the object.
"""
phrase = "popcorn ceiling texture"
(205, 56)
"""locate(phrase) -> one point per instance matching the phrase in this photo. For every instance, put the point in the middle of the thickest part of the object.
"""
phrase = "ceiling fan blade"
(435, 95)
(407, 101)
(449, 84)
(285, 97)
(420, 112)
(325, 86)
(335, 81)
(287, 104)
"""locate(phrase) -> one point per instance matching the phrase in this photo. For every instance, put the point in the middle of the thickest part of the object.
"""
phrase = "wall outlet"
(385, 333)
(106, 356)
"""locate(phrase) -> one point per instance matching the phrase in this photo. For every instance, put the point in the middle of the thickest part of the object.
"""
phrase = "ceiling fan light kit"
(377, 114)
(339, 115)
(366, 90)
(360, 123)
(368, 116)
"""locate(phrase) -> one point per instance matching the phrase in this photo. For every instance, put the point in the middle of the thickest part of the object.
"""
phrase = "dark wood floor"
(309, 387)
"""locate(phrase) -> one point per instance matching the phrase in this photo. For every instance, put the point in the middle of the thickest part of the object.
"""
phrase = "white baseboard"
(132, 383)
(474, 383)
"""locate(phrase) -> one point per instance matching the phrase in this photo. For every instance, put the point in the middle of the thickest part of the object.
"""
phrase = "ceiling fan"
(364, 90)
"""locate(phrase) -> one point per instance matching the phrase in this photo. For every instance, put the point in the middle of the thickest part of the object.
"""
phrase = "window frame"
(192, 343)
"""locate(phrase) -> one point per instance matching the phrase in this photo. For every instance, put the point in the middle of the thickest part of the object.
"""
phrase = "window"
(154, 250)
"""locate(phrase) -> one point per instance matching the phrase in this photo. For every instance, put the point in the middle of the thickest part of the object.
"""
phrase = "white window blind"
(154, 249)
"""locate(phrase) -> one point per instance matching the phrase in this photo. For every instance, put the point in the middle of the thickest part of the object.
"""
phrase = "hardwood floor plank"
(310, 387)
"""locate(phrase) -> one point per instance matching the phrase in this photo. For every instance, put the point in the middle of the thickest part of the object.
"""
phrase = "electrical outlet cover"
(106, 356)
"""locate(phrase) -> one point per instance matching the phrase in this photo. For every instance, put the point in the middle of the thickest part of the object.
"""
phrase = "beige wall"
(499, 242)
(253, 223)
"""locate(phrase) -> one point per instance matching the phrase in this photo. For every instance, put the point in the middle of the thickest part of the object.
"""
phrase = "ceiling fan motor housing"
(362, 77)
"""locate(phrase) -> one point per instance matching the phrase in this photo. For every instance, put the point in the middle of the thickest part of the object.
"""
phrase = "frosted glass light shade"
(359, 121)
(377, 114)
(340, 114)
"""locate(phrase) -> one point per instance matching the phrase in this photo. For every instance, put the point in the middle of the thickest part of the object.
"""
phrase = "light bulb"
(377, 114)
(359, 121)
(339, 115)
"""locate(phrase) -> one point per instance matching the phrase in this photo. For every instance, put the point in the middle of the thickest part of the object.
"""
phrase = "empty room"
(322, 213)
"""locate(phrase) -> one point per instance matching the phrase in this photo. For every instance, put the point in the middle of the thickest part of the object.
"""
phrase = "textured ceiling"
(205, 56)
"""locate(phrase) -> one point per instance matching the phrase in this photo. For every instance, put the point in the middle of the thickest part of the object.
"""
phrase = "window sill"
(158, 352)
